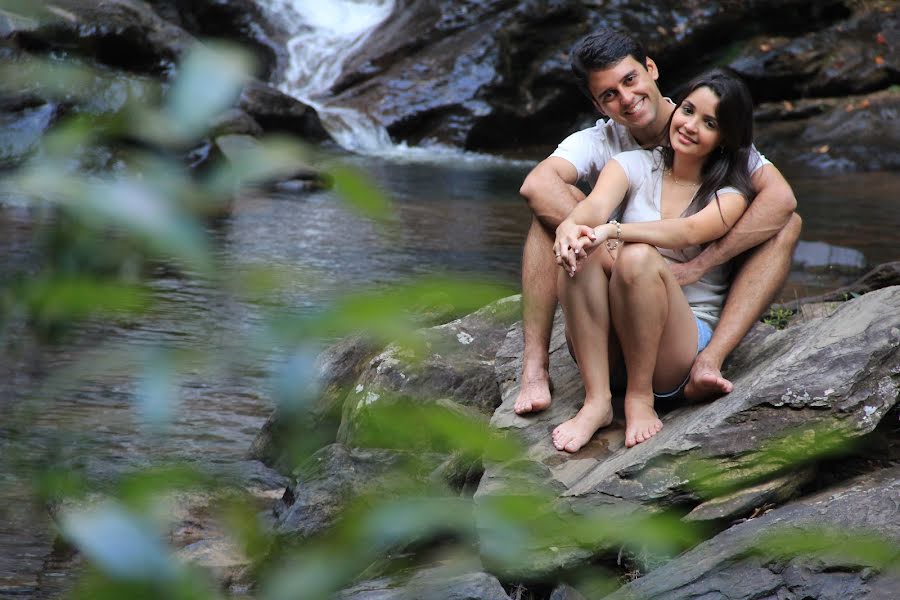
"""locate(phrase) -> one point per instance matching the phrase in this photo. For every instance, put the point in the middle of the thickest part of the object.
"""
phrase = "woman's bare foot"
(706, 381)
(577, 431)
(641, 421)
(534, 396)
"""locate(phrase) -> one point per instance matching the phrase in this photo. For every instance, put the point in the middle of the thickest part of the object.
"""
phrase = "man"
(620, 80)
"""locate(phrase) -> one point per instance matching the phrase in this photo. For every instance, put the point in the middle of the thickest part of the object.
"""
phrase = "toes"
(572, 446)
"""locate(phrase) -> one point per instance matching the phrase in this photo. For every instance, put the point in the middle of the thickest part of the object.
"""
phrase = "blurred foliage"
(101, 232)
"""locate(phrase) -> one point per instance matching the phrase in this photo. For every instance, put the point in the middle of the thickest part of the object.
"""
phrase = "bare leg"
(539, 271)
(657, 332)
(585, 303)
(757, 282)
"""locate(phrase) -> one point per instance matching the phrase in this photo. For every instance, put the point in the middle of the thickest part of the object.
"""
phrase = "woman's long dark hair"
(726, 165)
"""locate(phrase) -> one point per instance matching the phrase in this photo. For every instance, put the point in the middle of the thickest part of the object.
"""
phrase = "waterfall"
(327, 32)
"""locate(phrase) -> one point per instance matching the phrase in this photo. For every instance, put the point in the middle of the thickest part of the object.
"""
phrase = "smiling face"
(695, 128)
(627, 93)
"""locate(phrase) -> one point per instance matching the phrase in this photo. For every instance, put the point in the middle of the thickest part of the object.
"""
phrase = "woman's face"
(695, 130)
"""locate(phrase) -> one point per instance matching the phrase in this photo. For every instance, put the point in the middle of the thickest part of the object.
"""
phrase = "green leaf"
(209, 81)
(361, 194)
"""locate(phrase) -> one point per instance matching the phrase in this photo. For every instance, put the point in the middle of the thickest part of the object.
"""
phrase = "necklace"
(681, 183)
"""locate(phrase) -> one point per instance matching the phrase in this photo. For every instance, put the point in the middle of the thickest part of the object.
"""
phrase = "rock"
(820, 256)
(835, 134)
(750, 560)
(815, 384)
(278, 112)
(237, 21)
(429, 584)
(235, 122)
(456, 368)
(855, 56)
(493, 74)
(882, 276)
(338, 368)
(336, 475)
(21, 132)
(124, 34)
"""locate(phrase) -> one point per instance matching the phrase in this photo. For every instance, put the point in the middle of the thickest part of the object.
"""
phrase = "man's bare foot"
(641, 421)
(706, 381)
(577, 431)
(534, 396)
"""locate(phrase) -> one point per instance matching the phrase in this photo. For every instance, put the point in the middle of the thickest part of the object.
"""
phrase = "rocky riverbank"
(806, 445)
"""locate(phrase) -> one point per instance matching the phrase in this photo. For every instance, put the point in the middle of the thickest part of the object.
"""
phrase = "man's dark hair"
(602, 50)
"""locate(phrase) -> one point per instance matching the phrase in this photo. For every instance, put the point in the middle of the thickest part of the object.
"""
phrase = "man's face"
(627, 93)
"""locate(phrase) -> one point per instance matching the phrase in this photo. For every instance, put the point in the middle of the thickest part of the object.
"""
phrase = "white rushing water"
(327, 33)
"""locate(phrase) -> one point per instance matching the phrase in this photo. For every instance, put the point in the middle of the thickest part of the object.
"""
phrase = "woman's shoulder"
(638, 160)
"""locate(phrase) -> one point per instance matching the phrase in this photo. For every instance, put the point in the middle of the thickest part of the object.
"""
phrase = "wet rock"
(278, 112)
(21, 132)
(813, 256)
(834, 134)
(335, 476)
(855, 56)
(338, 368)
(456, 368)
(244, 22)
(815, 384)
(125, 34)
(494, 74)
(754, 559)
(429, 584)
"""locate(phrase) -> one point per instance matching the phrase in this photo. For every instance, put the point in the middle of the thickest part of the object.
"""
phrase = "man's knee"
(790, 233)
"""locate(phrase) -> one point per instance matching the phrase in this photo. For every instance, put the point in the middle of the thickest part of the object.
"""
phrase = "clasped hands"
(574, 243)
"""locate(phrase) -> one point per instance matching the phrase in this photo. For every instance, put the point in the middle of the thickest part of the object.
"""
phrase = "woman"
(689, 192)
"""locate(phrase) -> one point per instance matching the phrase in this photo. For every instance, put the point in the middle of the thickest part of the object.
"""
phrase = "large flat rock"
(839, 544)
(798, 392)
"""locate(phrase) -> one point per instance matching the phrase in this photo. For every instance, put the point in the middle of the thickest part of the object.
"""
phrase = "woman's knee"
(636, 261)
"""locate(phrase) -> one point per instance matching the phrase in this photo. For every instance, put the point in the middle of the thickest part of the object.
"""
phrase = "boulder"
(856, 133)
(238, 21)
(846, 541)
(278, 112)
(854, 56)
(799, 394)
(335, 476)
(455, 367)
(124, 34)
(433, 583)
(338, 368)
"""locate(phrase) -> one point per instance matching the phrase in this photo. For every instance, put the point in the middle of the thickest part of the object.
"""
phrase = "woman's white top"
(644, 169)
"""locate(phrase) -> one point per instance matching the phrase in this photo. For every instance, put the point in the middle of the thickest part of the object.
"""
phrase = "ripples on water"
(465, 218)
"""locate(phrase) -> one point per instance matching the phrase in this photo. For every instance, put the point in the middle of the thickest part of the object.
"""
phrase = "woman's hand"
(569, 244)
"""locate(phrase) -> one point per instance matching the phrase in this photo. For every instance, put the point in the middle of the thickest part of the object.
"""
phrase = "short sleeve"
(577, 149)
(756, 160)
(637, 164)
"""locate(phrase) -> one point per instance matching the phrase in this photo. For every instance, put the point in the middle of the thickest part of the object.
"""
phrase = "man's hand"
(686, 273)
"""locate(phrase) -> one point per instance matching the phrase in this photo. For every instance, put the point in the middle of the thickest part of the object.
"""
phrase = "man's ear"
(599, 109)
(651, 68)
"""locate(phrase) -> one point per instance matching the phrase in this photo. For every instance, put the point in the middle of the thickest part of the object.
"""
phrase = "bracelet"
(610, 246)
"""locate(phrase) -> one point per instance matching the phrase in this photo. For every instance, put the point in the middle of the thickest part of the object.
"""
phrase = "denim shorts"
(704, 334)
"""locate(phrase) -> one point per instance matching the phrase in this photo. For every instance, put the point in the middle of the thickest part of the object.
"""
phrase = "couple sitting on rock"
(678, 192)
